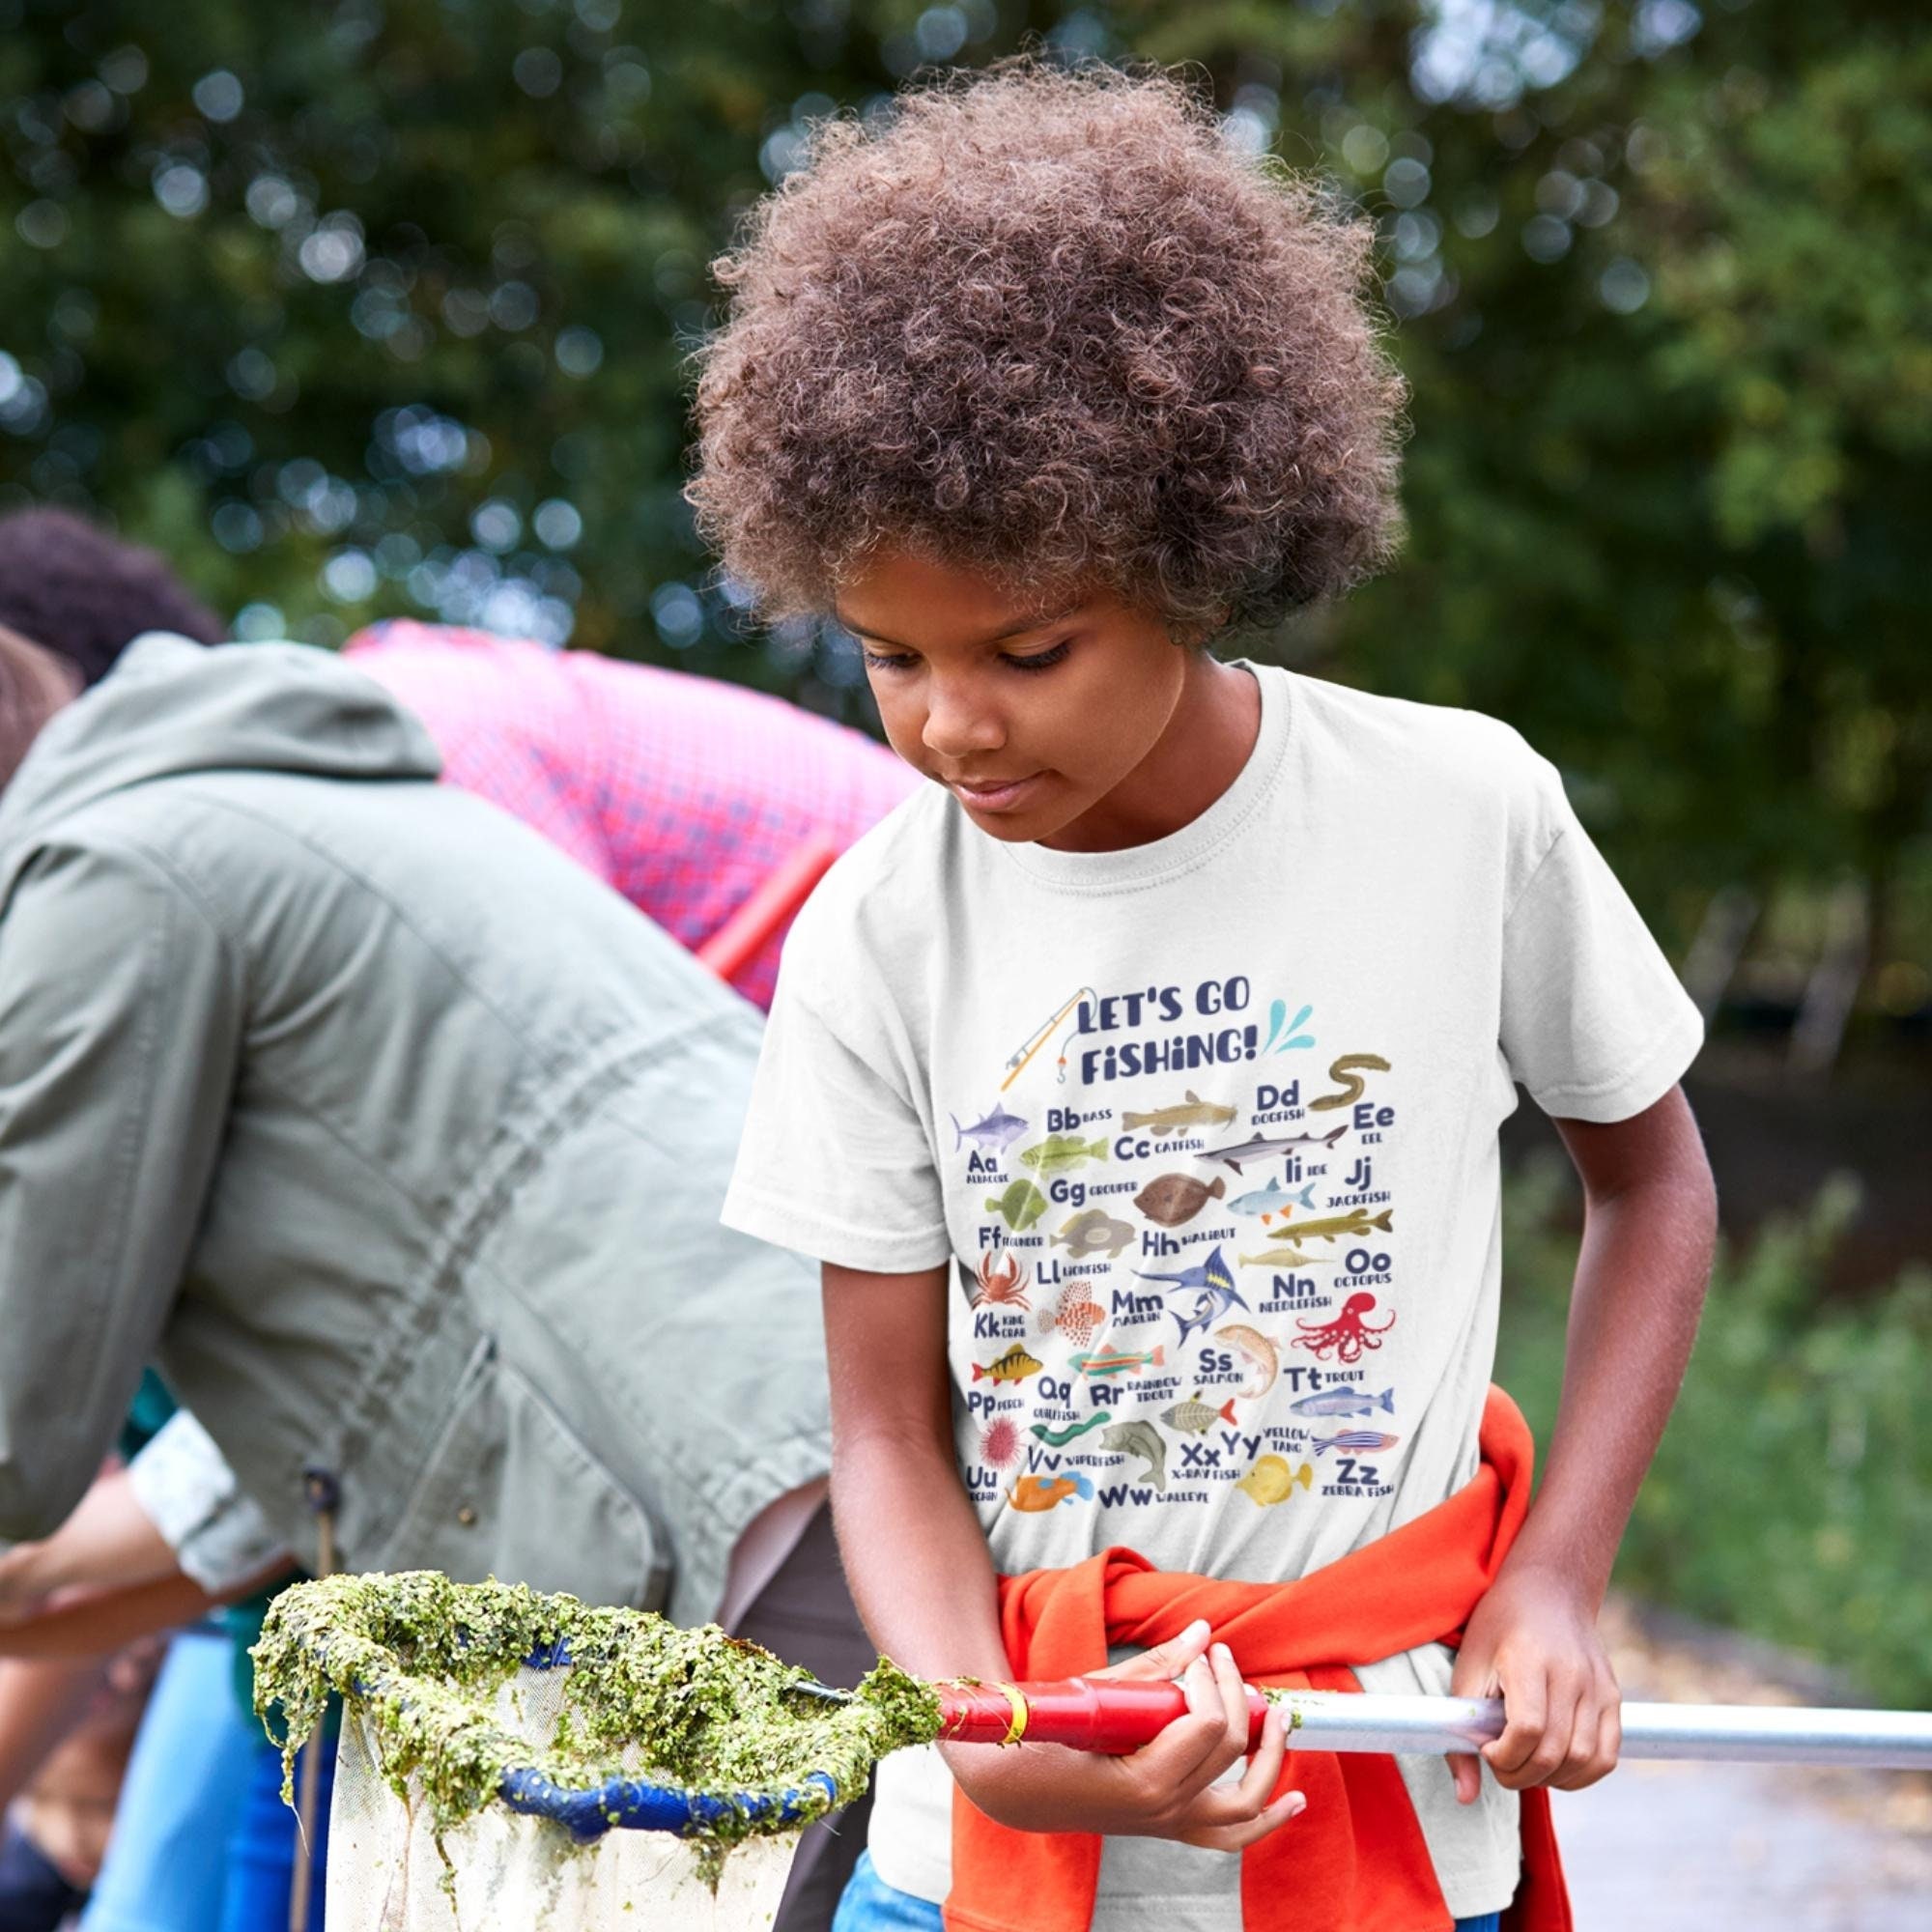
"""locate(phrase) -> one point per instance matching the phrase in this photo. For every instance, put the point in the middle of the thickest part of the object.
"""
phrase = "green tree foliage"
(383, 306)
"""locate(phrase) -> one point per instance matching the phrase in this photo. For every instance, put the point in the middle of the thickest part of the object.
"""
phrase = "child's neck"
(1207, 743)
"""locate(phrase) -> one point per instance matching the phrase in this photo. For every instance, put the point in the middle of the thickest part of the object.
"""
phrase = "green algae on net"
(423, 1660)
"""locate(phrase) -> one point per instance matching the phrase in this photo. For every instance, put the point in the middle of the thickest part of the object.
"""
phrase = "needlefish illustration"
(1263, 1147)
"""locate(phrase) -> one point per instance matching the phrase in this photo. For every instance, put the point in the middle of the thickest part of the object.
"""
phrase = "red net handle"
(1103, 1716)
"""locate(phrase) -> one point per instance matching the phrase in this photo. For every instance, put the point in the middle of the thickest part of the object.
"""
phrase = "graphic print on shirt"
(1184, 1269)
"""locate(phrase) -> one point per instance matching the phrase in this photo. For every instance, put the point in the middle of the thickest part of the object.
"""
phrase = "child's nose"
(959, 724)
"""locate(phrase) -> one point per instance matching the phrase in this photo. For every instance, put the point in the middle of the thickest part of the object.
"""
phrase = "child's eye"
(1042, 660)
(880, 660)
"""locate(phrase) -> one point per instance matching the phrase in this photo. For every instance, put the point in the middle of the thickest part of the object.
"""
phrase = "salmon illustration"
(1194, 1113)
(1260, 1353)
(1014, 1366)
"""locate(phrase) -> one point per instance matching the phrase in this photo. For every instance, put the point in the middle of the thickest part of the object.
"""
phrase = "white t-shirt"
(1204, 1132)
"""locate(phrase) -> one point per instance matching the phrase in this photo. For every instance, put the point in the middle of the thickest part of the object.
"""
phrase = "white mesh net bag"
(512, 1760)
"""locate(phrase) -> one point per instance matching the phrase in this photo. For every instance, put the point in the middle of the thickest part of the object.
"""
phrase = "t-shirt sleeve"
(1595, 1023)
(835, 1162)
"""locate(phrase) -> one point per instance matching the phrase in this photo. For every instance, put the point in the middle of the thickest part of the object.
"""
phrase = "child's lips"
(992, 796)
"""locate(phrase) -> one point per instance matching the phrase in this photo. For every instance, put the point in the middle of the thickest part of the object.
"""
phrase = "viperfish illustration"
(1014, 1366)
(995, 1134)
(1058, 1438)
(1019, 1206)
(1272, 1200)
(1057, 1153)
(1260, 1352)
(1354, 1086)
(1176, 1198)
(1195, 1417)
(1332, 1227)
(1093, 1232)
(1263, 1146)
(1344, 1402)
(1273, 1481)
(1140, 1437)
(1196, 1113)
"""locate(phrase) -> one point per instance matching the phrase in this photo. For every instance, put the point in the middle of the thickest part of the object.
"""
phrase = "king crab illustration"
(1003, 1286)
(1348, 1335)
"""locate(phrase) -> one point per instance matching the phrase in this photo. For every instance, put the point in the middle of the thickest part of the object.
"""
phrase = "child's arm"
(920, 1572)
(1650, 1225)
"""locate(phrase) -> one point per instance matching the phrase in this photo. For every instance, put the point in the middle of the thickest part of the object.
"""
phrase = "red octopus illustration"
(1348, 1335)
(1003, 1286)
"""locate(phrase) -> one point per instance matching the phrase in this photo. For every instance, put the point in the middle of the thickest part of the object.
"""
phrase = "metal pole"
(323, 1495)
(1335, 1720)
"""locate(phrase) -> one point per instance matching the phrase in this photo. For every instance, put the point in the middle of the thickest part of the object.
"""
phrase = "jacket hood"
(171, 706)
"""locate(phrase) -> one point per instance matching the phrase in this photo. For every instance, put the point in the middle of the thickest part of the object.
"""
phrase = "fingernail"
(1296, 1804)
(1198, 1628)
(1222, 1653)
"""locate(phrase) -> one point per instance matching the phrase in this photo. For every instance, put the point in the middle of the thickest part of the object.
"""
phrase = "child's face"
(1030, 711)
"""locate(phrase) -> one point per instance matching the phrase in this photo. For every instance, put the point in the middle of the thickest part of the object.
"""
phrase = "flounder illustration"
(1176, 1198)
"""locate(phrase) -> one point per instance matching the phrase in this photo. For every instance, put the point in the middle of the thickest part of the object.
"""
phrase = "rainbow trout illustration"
(1195, 1113)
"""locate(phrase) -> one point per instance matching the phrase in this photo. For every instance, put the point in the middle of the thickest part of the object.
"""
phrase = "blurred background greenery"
(383, 307)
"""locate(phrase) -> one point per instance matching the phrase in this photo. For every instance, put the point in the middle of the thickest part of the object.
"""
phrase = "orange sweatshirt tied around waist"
(1355, 1860)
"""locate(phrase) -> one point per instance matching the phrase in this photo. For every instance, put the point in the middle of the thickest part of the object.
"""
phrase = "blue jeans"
(871, 1905)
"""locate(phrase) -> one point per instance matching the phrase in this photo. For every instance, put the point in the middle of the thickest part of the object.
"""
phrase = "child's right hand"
(1165, 1790)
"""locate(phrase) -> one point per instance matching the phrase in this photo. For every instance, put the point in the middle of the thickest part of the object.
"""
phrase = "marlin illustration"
(1211, 1273)
(1262, 1147)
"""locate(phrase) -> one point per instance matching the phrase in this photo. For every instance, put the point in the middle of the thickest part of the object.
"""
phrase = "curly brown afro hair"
(1050, 325)
(86, 595)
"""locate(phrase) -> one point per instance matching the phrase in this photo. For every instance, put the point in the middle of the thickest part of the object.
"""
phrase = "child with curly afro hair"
(1171, 1362)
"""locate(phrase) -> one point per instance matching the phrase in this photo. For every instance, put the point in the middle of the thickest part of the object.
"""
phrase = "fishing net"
(511, 1759)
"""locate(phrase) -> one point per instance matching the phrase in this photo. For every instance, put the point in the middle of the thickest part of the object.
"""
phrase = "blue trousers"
(871, 1905)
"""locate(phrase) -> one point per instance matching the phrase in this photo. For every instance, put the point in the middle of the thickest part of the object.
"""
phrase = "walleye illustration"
(1176, 1198)
(1035, 1493)
(1058, 1153)
(1344, 1402)
(1354, 1086)
(1331, 1227)
(1195, 1417)
(1260, 1353)
(995, 1134)
(1102, 1363)
(1058, 1438)
(1263, 1147)
(1019, 1206)
(1014, 1366)
(1272, 1200)
(1140, 1437)
(1357, 1440)
(1273, 1481)
(1093, 1232)
(1196, 1113)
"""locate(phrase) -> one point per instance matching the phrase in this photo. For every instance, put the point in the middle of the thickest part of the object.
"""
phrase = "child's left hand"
(1534, 1640)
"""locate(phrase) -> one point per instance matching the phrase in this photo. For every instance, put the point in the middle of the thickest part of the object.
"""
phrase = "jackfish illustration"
(1257, 1351)
(1076, 1317)
(995, 1134)
(1102, 1363)
(1354, 1086)
(1034, 1493)
(1014, 1366)
(1273, 1481)
(1344, 1402)
(1272, 1200)
(1196, 1113)
(1058, 1438)
(1019, 1206)
(1195, 1417)
(1093, 1232)
(1058, 1153)
(1265, 1147)
(1176, 1198)
(1332, 1227)
(1140, 1437)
